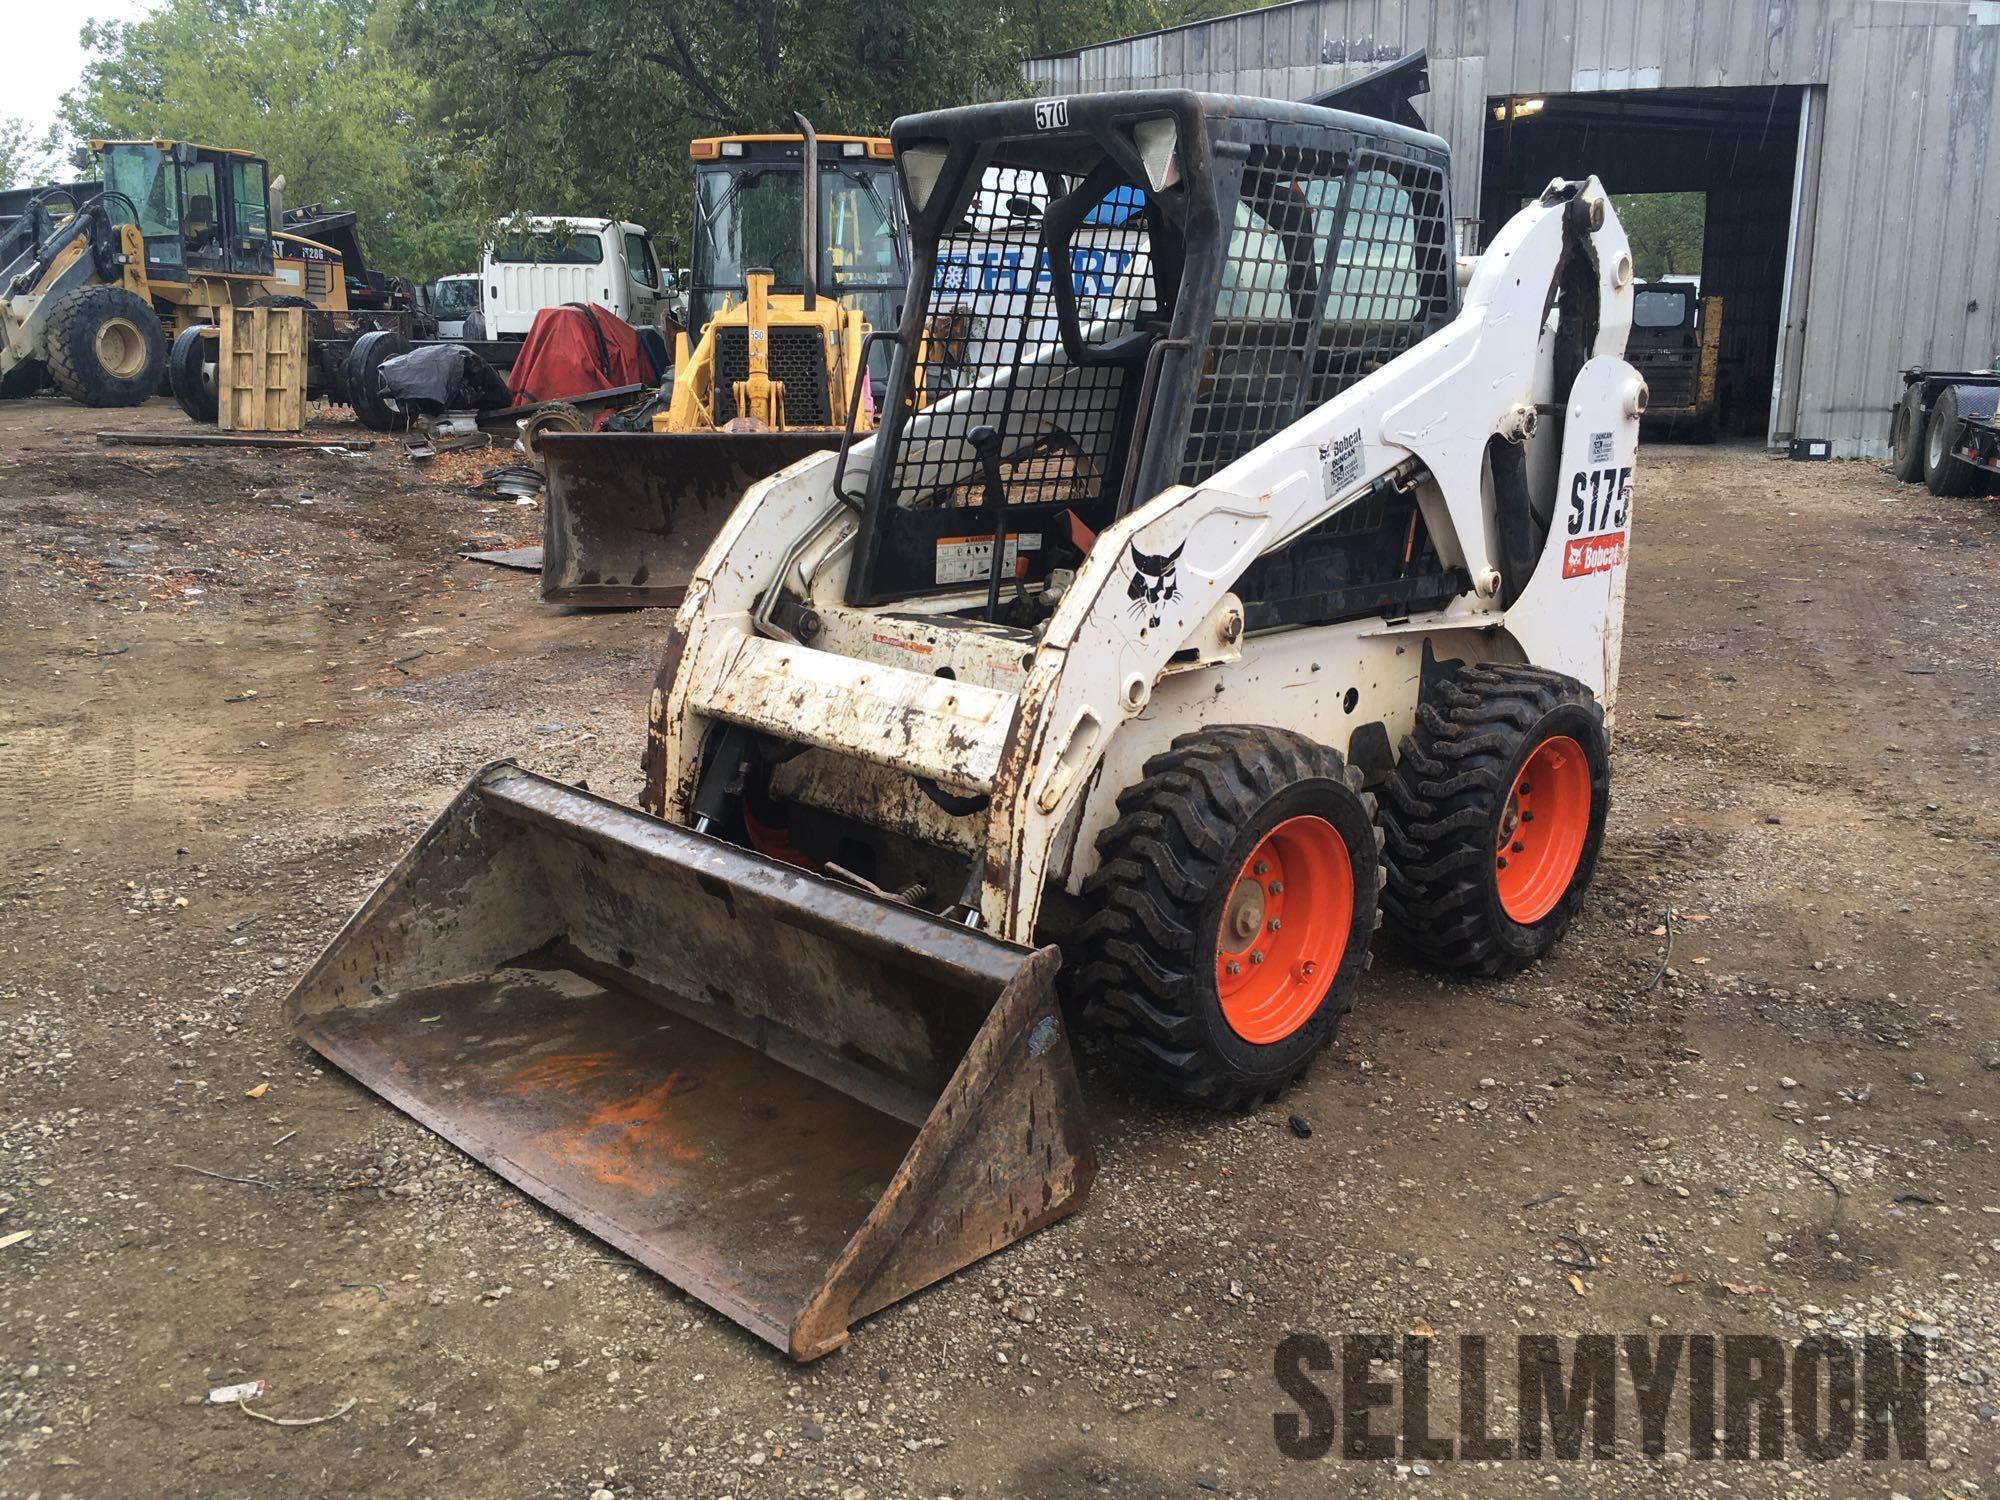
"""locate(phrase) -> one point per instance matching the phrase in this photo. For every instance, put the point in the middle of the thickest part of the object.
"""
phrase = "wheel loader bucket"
(627, 515)
(796, 1100)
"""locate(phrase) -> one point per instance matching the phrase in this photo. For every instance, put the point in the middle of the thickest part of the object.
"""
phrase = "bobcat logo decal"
(1153, 583)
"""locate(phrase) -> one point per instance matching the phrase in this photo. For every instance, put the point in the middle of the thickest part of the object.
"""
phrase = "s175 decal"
(1600, 505)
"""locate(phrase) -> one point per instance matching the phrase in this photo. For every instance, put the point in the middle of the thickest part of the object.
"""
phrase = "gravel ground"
(234, 686)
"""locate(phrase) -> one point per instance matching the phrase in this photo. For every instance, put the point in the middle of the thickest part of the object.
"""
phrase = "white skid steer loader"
(1175, 621)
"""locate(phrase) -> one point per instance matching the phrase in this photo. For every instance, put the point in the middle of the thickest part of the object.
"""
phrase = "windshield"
(452, 298)
(749, 219)
(549, 247)
(1659, 307)
(146, 180)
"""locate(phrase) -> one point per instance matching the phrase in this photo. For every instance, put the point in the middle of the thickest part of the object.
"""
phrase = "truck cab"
(545, 261)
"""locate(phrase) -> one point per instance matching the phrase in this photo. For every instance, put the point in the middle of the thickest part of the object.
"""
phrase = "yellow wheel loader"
(790, 272)
(99, 280)
(1194, 617)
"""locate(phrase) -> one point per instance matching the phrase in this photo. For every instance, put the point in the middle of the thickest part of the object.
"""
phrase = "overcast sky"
(44, 59)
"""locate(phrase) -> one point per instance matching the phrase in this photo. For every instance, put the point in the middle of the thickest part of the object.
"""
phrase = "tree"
(551, 107)
(1666, 231)
(14, 151)
(312, 85)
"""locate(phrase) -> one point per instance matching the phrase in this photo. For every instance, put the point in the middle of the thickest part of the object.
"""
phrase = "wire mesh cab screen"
(1132, 291)
(1040, 302)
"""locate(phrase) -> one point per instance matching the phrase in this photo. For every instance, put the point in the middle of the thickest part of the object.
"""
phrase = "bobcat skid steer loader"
(1104, 674)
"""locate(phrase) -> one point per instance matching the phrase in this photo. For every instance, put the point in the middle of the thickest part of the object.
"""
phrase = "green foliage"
(14, 151)
(1665, 230)
(310, 84)
(433, 119)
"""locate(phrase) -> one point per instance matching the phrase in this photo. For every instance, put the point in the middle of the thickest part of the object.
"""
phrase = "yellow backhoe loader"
(791, 271)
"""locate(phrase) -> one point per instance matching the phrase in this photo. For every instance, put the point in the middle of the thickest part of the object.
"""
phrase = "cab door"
(644, 284)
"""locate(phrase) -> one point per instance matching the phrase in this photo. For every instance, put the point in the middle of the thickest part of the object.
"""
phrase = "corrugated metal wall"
(1905, 258)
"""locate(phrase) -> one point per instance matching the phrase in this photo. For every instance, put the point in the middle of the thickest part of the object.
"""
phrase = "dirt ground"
(234, 686)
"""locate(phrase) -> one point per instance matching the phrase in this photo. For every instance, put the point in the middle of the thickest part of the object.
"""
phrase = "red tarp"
(573, 350)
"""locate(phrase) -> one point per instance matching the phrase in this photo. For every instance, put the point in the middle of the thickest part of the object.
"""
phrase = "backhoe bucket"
(627, 515)
(798, 1101)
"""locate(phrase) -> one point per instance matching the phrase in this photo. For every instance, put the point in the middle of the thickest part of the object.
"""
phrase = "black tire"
(1444, 807)
(1906, 435)
(191, 371)
(105, 346)
(363, 379)
(1143, 969)
(1944, 472)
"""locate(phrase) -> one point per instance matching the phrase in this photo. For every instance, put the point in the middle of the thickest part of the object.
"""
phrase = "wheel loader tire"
(1944, 472)
(1231, 914)
(191, 372)
(1906, 435)
(1494, 817)
(106, 346)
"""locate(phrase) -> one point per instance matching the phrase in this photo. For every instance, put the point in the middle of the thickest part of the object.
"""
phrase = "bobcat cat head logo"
(1153, 583)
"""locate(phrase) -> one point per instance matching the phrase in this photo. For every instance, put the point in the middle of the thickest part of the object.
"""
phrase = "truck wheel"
(1231, 914)
(106, 346)
(191, 371)
(1944, 472)
(1906, 435)
(1494, 817)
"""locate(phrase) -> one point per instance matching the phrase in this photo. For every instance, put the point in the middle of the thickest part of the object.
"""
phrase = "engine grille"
(798, 358)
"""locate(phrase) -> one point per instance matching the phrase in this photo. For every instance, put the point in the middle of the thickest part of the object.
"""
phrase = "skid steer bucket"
(796, 1100)
(627, 515)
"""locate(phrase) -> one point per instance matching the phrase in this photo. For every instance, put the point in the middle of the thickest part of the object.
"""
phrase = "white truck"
(545, 261)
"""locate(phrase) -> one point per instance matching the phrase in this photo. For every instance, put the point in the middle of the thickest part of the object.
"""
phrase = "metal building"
(1842, 145)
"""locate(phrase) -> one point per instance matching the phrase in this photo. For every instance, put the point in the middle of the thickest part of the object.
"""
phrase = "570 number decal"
(1600, 504)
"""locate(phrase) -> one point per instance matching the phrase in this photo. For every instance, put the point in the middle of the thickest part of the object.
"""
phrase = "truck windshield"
(143, 180)
(452, 297)
(749, 219)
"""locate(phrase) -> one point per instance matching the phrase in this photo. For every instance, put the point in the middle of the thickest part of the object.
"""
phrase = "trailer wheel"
(106, 346)
(1494, 817)
(1231, 914)
(191, 371)
(1944, 472)
(1906, 435)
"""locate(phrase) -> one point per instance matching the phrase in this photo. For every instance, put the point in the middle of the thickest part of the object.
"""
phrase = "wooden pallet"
(261, 370)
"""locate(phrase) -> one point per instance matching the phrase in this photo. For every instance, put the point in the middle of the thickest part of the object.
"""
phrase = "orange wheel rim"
(1284, 929)
(1542, 829)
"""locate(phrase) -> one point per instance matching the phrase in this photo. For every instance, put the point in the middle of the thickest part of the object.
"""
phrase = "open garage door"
(1741, 148)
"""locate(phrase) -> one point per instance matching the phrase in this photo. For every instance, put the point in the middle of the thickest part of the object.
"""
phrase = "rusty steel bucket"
(627, 515)
(798, 1101)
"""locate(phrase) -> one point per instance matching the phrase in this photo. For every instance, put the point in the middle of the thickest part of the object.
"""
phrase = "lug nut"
(1232, 967)
(1260, 868)
(1526, 789)
(1518, 847)
(1527, 817)
(1502, 862)
(1256, 955)
(1308, 969)
(1274, 924)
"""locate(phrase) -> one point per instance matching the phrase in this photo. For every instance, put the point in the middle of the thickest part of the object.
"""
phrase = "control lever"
(986, 443)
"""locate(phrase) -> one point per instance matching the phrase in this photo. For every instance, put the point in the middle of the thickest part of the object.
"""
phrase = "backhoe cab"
(791, 271)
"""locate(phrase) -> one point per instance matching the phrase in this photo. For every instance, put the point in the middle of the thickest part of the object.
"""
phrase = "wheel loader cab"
(200, 209)
(1227, 266)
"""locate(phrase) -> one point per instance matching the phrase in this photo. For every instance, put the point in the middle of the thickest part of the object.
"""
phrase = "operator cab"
(200, 209)
(1228, 265)
(749, 197)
